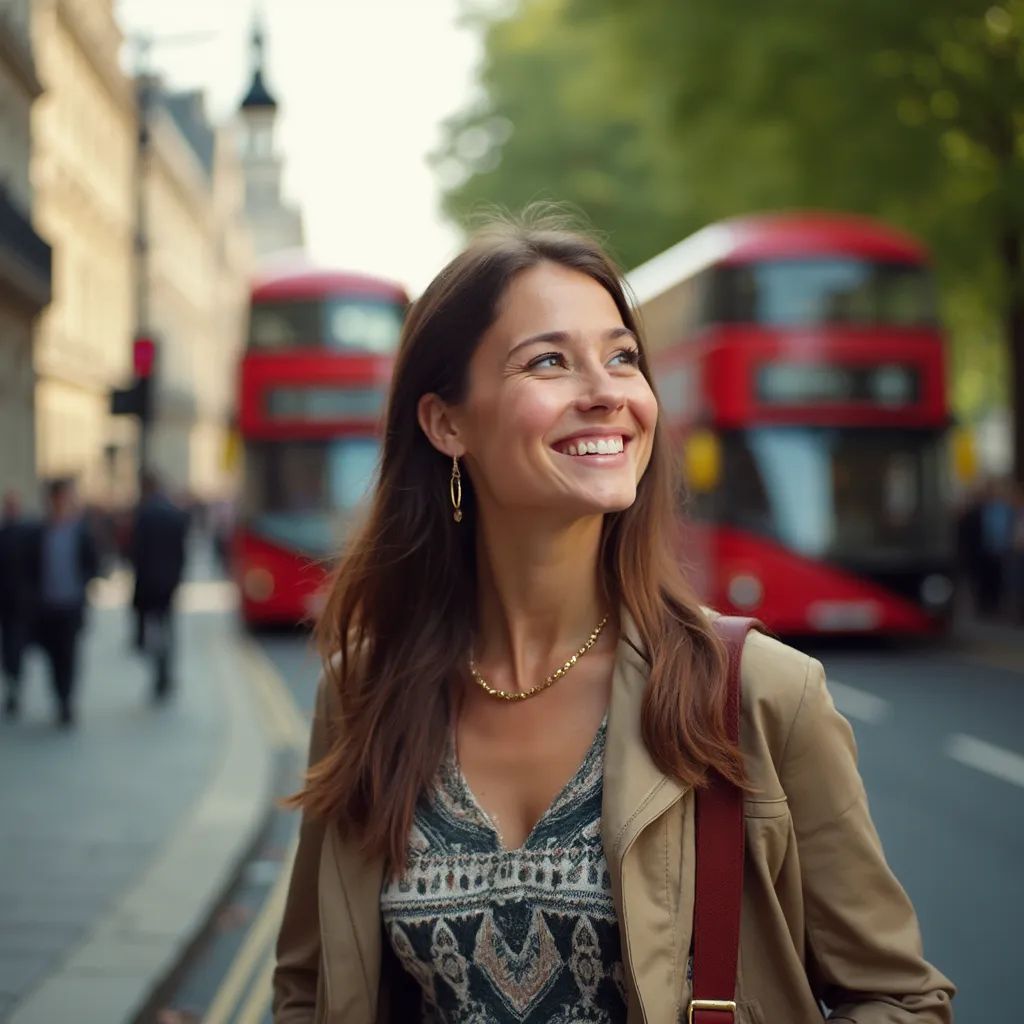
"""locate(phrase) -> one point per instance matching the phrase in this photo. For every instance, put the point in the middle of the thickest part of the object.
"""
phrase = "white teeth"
(604, 446)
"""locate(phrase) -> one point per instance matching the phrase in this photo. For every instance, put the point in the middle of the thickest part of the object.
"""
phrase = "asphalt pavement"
(941, 738)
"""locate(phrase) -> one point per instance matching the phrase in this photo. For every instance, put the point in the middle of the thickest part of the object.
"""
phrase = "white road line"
(987, 757)
(859, 704)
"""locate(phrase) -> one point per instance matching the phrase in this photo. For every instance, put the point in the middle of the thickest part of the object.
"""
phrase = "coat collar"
(636, 790)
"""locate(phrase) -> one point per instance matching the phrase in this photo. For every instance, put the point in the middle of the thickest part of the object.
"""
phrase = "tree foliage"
(657, 116)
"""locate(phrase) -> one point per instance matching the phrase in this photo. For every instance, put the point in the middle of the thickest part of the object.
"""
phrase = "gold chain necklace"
(513, 695)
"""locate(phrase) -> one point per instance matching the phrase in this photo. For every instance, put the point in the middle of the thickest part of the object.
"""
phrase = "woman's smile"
(586, 444)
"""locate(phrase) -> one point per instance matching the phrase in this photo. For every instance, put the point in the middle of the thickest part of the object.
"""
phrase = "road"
(942, 755)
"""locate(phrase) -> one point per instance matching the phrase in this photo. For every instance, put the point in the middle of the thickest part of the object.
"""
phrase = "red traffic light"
(143, 356)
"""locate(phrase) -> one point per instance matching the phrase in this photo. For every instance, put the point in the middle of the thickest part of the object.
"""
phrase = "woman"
(487, 840)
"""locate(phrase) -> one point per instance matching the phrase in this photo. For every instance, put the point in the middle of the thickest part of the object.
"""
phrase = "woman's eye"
(548, 361)
(627, 357)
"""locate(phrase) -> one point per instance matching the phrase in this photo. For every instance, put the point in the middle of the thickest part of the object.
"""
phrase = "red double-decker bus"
(312, 389)
(802, 370)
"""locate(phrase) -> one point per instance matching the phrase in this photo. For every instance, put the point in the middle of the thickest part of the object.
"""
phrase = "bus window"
(302, 494)
(813, 292)
(347, 323)
(364, 325)
(856, 495)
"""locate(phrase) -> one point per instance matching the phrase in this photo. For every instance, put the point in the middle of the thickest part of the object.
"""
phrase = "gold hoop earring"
(455, 490)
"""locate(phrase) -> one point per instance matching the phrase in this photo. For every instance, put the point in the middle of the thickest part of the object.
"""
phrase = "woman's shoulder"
(773, 674)
(775, 680)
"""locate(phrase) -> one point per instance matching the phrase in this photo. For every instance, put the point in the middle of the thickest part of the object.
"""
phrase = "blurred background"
(213, 217)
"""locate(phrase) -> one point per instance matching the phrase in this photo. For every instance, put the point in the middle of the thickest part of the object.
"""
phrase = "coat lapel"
(352, 941)
(647, 828)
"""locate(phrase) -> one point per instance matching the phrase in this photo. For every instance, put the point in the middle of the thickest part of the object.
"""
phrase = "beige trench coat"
(822, 914)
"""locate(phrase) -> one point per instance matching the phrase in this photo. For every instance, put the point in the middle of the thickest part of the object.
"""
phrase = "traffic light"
(137, 400)
(143, 357)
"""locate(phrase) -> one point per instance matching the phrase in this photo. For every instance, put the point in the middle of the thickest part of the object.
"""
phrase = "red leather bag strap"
(719, 869)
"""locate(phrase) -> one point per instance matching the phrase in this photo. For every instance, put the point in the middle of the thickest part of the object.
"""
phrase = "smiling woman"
(522, 695)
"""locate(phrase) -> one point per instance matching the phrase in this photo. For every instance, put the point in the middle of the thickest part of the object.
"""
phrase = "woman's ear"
(438, 422)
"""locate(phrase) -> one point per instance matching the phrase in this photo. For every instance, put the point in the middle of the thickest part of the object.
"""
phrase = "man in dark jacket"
(158, 557)
(62, 560)
(17, 601)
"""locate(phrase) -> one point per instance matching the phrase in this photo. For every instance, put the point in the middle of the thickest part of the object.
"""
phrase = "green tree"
(656, 116)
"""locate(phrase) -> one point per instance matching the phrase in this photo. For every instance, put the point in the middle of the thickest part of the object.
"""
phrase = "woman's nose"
(600, 390)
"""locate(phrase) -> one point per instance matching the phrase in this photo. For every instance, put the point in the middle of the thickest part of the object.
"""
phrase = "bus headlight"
(936, 590)
(258, 584)
(745, 591)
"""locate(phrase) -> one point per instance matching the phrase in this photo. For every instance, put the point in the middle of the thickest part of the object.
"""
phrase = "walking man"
(16, 599)
(158, 557)
(63, 559)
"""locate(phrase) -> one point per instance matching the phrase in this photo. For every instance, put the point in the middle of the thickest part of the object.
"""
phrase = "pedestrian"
(158, 557)
(63, 559)
(970, 547)
(1015, 561)
(16, 599)
(996, 522)
(487, 837)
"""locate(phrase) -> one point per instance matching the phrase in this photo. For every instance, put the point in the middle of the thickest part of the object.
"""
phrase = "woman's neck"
(539, 596)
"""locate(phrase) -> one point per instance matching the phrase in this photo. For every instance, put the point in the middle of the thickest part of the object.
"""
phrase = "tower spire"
(258, 96)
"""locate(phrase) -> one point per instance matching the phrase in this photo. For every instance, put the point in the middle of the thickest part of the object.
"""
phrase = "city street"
(943, 759)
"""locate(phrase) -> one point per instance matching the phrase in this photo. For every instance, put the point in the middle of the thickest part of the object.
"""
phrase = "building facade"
(84, 138)
(25, 259)
(195, 285)
(276, 225)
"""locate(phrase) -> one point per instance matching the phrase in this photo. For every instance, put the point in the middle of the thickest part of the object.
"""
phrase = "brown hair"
(397, 627)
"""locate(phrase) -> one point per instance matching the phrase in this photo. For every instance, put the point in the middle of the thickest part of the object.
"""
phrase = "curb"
(112, 975)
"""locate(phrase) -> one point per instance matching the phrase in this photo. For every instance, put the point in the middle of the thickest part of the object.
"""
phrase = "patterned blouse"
(495, 936)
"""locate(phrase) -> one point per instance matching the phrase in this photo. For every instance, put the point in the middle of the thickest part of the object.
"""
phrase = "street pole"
(146, 85)
(143, 99)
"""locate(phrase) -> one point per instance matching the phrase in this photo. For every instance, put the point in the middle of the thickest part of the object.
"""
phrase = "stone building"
(194, 286)
(24, 256)
(84, 140)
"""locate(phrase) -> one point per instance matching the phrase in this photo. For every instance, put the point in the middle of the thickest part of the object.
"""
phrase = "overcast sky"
(363, 86)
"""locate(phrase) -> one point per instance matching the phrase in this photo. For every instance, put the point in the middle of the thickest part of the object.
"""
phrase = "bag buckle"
(709, 1004)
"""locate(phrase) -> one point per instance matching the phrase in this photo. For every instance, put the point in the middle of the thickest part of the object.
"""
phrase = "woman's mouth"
(606, 444)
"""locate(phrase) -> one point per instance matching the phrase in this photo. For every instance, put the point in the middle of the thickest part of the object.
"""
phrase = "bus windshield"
(301, 494)
(846, 495)
(348, 323)
(814, 292)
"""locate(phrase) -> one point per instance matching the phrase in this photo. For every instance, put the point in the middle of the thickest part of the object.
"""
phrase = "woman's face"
(557, 416)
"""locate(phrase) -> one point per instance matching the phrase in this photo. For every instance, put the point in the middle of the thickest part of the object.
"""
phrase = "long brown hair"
(397, 626)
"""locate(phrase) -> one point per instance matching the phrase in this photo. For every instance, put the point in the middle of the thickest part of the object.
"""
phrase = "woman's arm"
(865, 957)
(297, 973)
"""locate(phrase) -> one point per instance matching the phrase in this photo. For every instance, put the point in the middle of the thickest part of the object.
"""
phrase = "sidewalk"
(116, 839)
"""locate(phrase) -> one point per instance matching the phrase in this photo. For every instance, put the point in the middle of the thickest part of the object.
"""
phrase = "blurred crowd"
(990, 542)
(46, 565)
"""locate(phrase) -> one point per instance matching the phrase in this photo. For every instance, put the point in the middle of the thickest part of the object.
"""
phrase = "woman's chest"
(516, 760)
(525, 934)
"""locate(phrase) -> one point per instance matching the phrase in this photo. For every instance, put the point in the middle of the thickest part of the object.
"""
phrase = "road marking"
(987, 757)
(257, 1006)
(859, 704)
(258, 941)
(284, 721)
(207, 596)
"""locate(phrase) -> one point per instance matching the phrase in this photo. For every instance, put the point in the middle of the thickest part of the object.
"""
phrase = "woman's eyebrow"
(564, 337)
